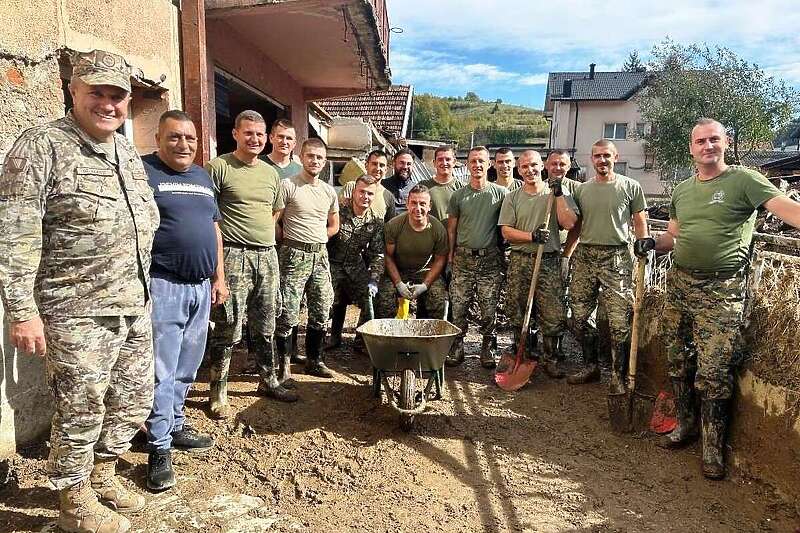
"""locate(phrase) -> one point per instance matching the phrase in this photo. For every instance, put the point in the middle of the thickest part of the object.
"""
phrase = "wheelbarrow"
(405, 354)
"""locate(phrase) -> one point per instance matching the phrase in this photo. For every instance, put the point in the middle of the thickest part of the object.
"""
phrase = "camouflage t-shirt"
(606, 209)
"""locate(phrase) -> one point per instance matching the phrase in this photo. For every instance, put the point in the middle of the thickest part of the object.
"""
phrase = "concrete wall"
(31, 41)
(591, 118)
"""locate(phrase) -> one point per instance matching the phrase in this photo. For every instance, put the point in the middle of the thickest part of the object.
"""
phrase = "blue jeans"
(180, 325)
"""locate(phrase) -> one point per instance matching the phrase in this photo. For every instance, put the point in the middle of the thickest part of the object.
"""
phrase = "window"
(621, 167)
(641, 129)
(617, 131)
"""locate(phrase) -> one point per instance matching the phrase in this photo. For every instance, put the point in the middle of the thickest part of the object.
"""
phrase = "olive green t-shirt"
(292, 169)
(525, 211)
(440, 196)
(513, 186)
(415, 250)
(606, 209)
(305, 218)
(477, 212)
(247, 196)
(716, 218)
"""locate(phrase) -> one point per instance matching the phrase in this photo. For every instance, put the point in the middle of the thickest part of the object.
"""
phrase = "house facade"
(583, 107)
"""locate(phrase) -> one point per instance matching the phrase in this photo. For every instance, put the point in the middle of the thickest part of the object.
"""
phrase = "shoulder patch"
(15, 165)
(13, 178)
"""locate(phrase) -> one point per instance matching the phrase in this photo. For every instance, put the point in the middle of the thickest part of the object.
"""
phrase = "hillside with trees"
(493, 122)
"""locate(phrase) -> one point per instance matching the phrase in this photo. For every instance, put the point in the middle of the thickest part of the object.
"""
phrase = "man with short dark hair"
(187, 278)
(250, 199)
(400, 182)
(383, 204)
(356, 256)
(310, 219)
(503, 164)
(283, 138)
(78, 220)
(416, 254)
(475, 256)
(443, 184)
(711, 220)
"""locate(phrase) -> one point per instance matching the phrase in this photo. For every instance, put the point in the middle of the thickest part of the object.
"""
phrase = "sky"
(506, 49)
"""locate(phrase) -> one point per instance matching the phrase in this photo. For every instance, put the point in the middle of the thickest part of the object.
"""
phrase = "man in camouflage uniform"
(475, 255)
(356, 256)
(712, 216)
(383, 204)
(416, 254)
(250, 199)
(310, 219)
(522, 222)
(79, 219)
(602, 268)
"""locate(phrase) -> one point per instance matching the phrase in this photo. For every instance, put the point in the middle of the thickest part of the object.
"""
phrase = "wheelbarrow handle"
(370, 308)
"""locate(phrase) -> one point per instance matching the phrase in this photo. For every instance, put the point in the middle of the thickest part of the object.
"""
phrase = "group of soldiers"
(111, 266)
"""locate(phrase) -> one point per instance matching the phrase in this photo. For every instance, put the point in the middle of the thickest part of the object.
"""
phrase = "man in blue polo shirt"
(187, 279)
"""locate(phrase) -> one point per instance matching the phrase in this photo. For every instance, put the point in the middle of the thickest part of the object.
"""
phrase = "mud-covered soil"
(541, 459)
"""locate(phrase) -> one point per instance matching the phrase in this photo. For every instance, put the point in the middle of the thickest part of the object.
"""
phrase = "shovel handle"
(641, 265)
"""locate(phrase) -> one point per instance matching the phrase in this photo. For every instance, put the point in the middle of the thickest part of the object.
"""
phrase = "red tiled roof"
(388, 110)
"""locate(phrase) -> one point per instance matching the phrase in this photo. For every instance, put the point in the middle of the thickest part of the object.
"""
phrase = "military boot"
(590, 371)
(269, 384)
(218, 382)
(338, 313)
(81, 512)
(715, 425)
(297, 358)
(686, 430)
(550, 359)
(315, 366)
(489, 352)
(106, 484)
(456, 355)
(283, 348)
(619, 356)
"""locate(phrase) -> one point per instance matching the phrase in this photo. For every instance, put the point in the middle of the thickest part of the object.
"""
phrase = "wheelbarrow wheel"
(408, 389)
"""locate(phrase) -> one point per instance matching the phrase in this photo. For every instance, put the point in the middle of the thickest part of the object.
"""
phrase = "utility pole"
(472, 138)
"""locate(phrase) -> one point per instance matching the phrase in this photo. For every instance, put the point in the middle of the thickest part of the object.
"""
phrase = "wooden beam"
(194, 67)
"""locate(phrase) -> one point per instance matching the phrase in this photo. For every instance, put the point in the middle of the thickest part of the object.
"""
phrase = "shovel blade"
(619, 412)
(515, 377)
(663, 419)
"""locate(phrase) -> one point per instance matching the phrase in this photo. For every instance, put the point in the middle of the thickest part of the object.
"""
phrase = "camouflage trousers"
(549, 311)
(702, 329)
(100, 375)
(430, 305)
(253, 276)
(476, 278)
(602, 275)
(309, 273)
(350, 287)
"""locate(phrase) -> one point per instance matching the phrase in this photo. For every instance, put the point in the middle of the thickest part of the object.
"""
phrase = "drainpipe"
(575, 131)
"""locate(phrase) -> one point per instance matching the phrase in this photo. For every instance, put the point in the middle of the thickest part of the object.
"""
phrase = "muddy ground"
(541, 459)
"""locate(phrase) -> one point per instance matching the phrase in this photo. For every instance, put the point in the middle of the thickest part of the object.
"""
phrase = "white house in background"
(583, 107)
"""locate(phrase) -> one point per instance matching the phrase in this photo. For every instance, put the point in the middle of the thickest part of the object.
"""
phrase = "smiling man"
(283, 138)
(399, 183)
(383, 205)
(250, 200)
(504, 166)
(187, 279)
(711, 220)
(78, 220)
(443, 184)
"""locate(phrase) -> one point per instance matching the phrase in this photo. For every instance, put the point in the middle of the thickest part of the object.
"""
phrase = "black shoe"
(189, 440)
(160, 475)
(315, 366)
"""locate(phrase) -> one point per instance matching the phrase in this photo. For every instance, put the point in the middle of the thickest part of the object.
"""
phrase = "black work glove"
(555, 186)
(642, 246)
(541, 235)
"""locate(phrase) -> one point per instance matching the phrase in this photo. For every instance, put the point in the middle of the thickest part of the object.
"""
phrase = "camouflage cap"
(101, 68)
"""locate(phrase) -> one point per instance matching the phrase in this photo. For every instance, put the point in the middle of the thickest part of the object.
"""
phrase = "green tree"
(694, 81)
(471, 97)
(633, 63)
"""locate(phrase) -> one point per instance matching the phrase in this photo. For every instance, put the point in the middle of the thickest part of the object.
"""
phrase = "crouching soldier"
(416, 254)
(356, 256)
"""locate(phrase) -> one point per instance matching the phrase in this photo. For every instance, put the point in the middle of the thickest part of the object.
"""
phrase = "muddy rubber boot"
(686, 430)
(338, 313)
(283, 347)
(456, 355)
(488, 352)
(314, 363)
(81, 512)
(616, 385)
(590, 372)
(560, 342)
(297, 358)
(269, 384)
(715, 425)
(108, 488)
(550, 358)
(251, 363)
(218, 382)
